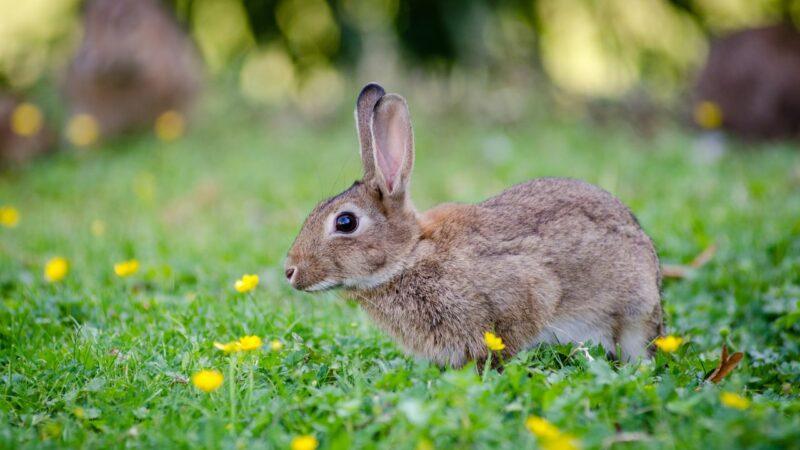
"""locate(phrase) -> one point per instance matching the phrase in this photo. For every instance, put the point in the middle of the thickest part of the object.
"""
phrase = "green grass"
(228, 199)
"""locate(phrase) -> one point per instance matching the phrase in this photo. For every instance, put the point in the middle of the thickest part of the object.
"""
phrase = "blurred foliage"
(289, 50)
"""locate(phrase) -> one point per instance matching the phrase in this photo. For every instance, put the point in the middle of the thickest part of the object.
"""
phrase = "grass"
(99, 361)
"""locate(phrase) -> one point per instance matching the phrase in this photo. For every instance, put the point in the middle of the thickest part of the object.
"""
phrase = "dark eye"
(346, 222)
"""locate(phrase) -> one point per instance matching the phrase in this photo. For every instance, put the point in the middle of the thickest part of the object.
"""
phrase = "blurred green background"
(308, 54)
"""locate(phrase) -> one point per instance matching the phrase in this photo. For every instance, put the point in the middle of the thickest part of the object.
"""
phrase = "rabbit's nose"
(290, 273)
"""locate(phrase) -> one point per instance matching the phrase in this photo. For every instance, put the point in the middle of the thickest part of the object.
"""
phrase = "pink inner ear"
(390, 131)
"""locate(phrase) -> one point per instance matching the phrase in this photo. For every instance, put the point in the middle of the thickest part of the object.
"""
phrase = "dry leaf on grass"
(682, 271)
(726, 365)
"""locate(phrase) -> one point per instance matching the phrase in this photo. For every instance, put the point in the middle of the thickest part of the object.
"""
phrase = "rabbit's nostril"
(289, 273)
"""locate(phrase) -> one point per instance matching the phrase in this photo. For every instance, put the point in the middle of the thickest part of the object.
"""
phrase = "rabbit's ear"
(394, 144)
(365, 104)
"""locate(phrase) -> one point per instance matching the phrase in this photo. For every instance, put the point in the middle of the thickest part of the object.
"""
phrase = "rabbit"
(550, 260)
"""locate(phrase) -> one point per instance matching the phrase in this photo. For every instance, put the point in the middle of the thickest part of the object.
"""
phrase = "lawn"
(101, 361)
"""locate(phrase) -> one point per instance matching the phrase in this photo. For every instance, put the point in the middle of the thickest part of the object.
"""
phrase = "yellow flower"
(250, 343)
(26, 120)
(83, 130)
(551, 438)
(668, 344)
(50, 429)
(245, 343)
(542, 428)
(229, 347)
(98, 227)
(424, 444)
(207, 380)
(56, 269)
(306, 442)
(708, 115)
(276, 345)
(126, 268)
(79, 412)
(9, 216)
(247, 283)
(562, 442)
(494, 342)
(733, 400)
(170, 125)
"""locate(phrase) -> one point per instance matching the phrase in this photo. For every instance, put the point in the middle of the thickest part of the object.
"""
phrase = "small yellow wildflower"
(170, 125)
(306, 442)
(542, 428)
(708, 115)
(126, 268)
(98, 227)
(247, 343)
(79, 412)
(424, 444)
(50, 429)
(550, 437)
(494, 342)
(9, 216)
(56, 269)
(247, 283)
(26, 120)
(83, 130)
(207, 380)
(229, 347)
(668, 344)
(734, 400)
(276, 345)
(562, 442)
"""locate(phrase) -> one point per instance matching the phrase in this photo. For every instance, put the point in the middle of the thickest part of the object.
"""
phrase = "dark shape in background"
(753, 78)
(134, 63)
(19, 143)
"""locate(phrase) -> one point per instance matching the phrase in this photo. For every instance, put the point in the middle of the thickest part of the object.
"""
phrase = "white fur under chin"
(321, 286)
(374, 280)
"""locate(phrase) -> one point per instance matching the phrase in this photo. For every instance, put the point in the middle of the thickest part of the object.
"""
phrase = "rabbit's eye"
(346, 222)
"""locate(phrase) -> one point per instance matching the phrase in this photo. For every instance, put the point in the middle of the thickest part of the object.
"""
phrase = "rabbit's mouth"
(323, 285)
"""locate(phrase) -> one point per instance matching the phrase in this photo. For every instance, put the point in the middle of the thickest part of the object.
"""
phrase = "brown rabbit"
(550, 260)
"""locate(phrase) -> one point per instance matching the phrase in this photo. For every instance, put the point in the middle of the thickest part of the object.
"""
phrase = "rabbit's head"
(360, 238)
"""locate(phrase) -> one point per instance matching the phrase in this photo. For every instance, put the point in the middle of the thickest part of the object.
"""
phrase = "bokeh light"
(170, 125)
(33, 34)
(82, 130)
(26, 120)
(221, 30)
(708, 115)
(268, 76)
(321, 92)
(308, 26)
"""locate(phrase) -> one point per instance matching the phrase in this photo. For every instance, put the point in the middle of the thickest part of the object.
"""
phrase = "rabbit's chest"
(435, 324)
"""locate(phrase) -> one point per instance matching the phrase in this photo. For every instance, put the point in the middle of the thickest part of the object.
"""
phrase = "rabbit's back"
(606, 266)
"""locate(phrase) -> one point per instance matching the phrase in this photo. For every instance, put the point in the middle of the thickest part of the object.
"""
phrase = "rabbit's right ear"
(365, 104)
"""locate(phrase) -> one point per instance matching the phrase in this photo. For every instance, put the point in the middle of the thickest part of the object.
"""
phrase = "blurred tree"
(595, 47)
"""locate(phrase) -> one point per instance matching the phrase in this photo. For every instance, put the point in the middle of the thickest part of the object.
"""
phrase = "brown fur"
(134, 63)
(547, 260)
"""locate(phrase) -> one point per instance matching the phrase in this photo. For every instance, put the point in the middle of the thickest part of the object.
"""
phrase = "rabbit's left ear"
(393, 144)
